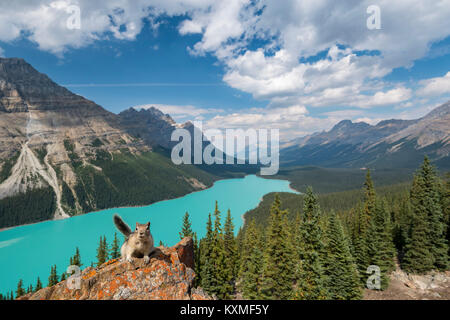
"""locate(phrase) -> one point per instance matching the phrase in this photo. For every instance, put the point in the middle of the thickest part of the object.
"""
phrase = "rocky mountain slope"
(168, 276)
(389, 144)
(156, 128)
(153, 126)
(81, 154)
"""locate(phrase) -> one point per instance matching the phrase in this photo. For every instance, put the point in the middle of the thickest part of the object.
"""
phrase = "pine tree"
(105, 248)
(38, 285)
(230, 256)
(402, 224)
(76, 259)
(30, 289)
(428, 228)
(437, 224)
(197, 260)
(63, 276)
(186, 230)
(369, 197)
(418, 257)
(297, 241)
(380, 244)
(115, 248)
(342, 279)
(364, 216)
(230, 244)
(20, 290)
(277, 274)
(250, 267)
(207, 266)
(310, 284)
(53, 278)
(218, 280)
(102, 251)
(446, 207)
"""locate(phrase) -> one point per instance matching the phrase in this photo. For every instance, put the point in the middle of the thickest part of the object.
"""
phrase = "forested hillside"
(75, 156)
(321, 247)
(327, 180)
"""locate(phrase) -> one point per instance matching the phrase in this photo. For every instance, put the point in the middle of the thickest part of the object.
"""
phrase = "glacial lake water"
(27, 252)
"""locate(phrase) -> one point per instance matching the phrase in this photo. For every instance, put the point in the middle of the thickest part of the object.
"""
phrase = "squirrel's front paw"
(130, 260)
(146, 259)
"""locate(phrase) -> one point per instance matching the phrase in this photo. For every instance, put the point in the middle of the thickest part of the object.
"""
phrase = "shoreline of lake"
(27, 252)
(113, 208)
(261, 200)
(146, 205)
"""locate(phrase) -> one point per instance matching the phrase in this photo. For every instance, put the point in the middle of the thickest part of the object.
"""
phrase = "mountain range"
(386, 145)
(63, 155)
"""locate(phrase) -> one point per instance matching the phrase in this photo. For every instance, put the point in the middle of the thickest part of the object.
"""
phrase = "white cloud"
(289, 32)
(393, 96)
(45, 21)
(292, 121)
(435, 86)
(269, 48)
(293, 30)
(337, 80)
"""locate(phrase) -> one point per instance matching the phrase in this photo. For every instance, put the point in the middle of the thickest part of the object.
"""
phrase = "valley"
(63, 156)
(390, 144)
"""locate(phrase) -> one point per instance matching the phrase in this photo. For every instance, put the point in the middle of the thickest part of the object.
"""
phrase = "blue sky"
(155, 68)
(300, 66)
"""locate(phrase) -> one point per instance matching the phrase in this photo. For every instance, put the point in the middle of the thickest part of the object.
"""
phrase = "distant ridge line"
(149, 84)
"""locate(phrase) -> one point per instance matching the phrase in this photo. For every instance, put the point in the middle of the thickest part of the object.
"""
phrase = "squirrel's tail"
(121, 225)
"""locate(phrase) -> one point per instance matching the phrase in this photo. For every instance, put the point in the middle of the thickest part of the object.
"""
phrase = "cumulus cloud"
(291, 121)
(295, 54)
(435, 86)
(45, 22)
(288, 68)
(393, 96)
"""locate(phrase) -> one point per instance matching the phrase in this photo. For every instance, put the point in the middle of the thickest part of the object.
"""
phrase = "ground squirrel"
(138, 244)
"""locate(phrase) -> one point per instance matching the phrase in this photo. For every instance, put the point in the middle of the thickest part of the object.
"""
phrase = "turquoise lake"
(27, 252)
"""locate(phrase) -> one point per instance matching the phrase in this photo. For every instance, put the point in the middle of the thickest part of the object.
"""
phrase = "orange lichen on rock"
(168, 276)
(90, 273)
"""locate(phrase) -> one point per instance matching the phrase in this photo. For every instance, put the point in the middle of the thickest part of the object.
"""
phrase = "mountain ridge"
(54, 140)
(388, 144)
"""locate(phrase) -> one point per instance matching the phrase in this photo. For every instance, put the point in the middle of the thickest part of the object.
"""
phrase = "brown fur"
(138, 244)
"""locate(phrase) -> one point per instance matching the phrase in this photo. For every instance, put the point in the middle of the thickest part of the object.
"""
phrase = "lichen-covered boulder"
(168, 276)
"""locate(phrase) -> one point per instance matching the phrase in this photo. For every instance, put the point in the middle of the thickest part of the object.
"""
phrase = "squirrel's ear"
(148, 225)
(137, 224)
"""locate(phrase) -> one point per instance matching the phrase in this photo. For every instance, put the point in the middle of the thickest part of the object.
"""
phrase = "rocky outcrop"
(168, 276)
(155, 127)
(404, 286)
(429, 130)
(149, 124)
(37, 111)
(44, 128)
